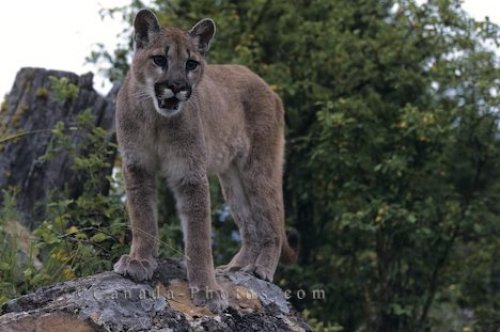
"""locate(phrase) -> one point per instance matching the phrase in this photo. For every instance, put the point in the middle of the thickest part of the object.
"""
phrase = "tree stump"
(110, 302)
(39, 99)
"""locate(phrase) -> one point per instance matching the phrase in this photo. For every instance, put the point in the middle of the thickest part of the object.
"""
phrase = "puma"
(184, 120)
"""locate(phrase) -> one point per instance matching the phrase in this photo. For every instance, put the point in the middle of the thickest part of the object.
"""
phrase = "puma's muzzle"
(169, 97)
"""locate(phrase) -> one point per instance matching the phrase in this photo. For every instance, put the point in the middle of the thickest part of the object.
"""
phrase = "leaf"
(72, 230)
(5, 266)
(99, 237)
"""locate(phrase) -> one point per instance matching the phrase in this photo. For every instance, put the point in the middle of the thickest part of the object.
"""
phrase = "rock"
(110, 302)
(38, 100)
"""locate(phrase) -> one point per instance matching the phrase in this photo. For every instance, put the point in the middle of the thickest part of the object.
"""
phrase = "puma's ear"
(202, 32)
(146, 24)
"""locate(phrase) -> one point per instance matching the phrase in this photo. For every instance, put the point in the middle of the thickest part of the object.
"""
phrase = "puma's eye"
(191, 65)
(160, 60)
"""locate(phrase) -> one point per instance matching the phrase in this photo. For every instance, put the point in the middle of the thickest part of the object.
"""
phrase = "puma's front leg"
(193, 204)
(140, 188)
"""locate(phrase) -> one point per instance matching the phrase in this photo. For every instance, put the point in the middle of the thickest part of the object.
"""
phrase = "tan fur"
(231, 125)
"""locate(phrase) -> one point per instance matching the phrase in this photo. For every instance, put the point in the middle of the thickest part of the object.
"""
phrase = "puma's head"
(168, 62)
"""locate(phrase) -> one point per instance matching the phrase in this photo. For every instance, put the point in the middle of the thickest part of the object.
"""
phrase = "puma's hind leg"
(253, 191)
(266, 227)
(236, 198)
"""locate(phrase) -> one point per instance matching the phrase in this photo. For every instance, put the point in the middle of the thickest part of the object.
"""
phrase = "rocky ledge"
(110, 302)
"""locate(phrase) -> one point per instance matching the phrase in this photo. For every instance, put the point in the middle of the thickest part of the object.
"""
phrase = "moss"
(18, 115)
(3, 128)
(27, 86)
(42, 93)
(3, 107)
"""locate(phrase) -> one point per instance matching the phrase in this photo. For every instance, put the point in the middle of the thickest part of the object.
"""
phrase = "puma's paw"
(259, 271)
(215, 298)
(137, 269)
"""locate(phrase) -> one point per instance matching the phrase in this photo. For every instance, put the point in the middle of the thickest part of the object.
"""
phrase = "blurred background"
(392, 174)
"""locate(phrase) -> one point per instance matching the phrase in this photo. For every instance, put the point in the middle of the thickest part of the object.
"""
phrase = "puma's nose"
(176, 86)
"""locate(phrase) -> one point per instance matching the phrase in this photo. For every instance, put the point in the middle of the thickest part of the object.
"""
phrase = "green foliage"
(318, 326)
(82, 234)
(86, 232)
(9, 266)
(63, 89)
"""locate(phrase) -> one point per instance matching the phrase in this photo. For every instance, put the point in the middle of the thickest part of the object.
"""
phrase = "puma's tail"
(291, 247)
